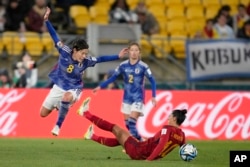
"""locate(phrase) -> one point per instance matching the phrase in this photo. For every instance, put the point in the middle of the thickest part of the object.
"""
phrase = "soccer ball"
(188, 152)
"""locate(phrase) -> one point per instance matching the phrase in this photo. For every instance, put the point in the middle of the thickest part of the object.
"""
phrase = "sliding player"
(67, 75)
(163, 142)
(134, 71)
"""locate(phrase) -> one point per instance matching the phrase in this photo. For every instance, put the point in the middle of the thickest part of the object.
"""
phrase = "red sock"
(104, 125)
(111, 142)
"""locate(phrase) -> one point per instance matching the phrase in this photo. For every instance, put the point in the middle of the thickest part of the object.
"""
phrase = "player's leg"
(125, 109)
(51, 101)
(67, 100)
(120, 133)
(90, 135)
(136, 112)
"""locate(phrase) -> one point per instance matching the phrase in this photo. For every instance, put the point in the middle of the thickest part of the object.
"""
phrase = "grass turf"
(80, 153)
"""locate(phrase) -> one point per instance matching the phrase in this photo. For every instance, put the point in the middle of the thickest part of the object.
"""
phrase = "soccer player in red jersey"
(163, 142)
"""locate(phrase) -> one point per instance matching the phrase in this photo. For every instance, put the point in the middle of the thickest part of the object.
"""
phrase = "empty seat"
(80, 16)
(132, 3)
(195, 12)
(177, 44)
(189, 3)
(99, 15)
(175, 27)
(230, 2)
(48, 44)
(13, 43)
(154, 2)
(33, 44)
(194, 26)
(170, 3)
(245, 2)
(207, 3)
(176, 12)
(211, 12)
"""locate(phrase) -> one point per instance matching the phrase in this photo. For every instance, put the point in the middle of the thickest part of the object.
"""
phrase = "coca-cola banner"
(211, 114)
(217, 59)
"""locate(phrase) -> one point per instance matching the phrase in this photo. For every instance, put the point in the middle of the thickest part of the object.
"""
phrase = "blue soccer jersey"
(133, 78)
(67, 73)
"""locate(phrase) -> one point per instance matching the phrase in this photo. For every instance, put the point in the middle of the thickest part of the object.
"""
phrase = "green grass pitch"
(84, 153)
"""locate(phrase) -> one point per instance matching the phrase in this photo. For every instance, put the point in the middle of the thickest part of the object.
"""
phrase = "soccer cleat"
(84, 107)
(88, 135)
(55, 131)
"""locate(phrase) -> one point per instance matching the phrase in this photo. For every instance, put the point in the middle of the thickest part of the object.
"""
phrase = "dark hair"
(115, 3)
(225, 8)
(241, 5)
(134, 43)
(180, 115)
(80, 44)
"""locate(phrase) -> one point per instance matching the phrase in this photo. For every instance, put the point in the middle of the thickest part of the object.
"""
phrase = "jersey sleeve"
(165, 133)
(150, 77)
(107, 58)
(52, 32)
(112, 78)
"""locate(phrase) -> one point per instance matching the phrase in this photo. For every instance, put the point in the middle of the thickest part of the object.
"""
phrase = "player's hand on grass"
(154, 101)
(47, 13)
(96, 89)
(123, 52)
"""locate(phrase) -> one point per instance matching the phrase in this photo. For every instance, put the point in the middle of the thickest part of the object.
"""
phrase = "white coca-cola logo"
(216, 118)
(7, 117)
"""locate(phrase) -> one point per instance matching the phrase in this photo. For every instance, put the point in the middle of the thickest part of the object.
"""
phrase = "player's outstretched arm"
(104, 84)
(160, 147)
(50, 28)
(153, 86)
(121, 54)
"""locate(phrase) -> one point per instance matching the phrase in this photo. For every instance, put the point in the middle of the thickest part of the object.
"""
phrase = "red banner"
(211, 114)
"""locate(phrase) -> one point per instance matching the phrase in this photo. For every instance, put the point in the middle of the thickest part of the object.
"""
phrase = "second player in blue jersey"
(133, 71)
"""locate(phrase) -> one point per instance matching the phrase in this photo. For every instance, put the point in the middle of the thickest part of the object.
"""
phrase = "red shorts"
(134, 149)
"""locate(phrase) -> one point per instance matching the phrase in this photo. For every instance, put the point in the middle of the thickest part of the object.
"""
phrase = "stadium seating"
(194, 26)
(230, 2)
(157, 43)
(245, 2)
(132, 3)
(208, 3)
(146, 46)
(1, 46)
(177, 44)
(111, 1)
(170, 3)
(99, 15)
(176, 13)
(48, 44)
(157, 10)
(33, 44)
(150, 3)
(80, 16)
(175, 27)
(189, 3)
(195, 12)
(13, 43)
(211, 11)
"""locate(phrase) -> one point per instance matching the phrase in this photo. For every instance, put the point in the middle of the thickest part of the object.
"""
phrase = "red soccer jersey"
(157, 146)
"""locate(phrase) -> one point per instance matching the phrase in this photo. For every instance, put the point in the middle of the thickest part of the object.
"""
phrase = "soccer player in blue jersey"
(134, 71)
(67, 75)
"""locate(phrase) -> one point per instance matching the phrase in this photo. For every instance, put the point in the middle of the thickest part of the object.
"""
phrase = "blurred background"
(167, 30)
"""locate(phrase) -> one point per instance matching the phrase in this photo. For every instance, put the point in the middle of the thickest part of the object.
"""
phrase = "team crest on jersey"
(137, 70)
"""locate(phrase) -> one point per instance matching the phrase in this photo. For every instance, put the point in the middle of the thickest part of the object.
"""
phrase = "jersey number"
(70, 68)
(131, 78)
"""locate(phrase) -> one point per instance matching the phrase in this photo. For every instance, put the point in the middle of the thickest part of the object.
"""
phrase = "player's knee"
(44, 112)
(67, 97)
